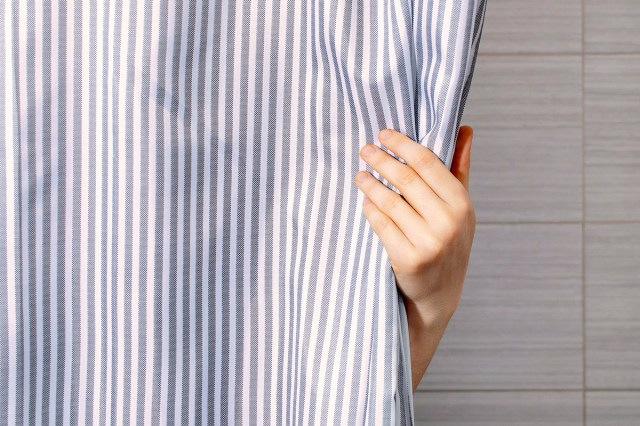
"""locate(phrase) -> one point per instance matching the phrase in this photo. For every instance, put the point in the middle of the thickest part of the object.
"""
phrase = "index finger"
(425, 162)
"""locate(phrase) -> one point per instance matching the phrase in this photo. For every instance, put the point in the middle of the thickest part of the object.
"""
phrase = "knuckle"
(408, 177)
(426, 159)
(434, 250)
(466, 211)
(391, 202)
(416, 261)
(381, 223)
(450, 230)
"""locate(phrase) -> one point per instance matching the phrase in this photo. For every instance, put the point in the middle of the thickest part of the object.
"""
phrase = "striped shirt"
(181, 238)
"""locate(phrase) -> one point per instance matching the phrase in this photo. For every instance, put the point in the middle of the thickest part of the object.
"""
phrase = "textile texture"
(181, 240)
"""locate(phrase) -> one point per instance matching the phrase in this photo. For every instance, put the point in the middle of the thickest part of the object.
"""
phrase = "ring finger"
(414, 189)
(391, 204)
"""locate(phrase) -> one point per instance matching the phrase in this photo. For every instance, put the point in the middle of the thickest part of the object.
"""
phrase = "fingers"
(413, 188)
(389, 202)
(394, 240)
(426, 163)
(461, 163)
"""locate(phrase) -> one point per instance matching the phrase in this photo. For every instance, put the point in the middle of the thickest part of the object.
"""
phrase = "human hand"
(428, 230)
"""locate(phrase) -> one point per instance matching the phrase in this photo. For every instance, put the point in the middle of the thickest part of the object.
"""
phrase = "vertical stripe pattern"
(181, 240)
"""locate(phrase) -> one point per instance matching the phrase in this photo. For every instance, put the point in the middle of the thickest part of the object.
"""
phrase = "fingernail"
(385, 133)
(360, 177)
(366, 201)
(368, 150)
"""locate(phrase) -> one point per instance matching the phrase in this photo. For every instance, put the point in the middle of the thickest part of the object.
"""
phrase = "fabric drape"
(180, 237)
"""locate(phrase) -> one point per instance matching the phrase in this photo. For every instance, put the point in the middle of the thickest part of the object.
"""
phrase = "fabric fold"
(181, 239)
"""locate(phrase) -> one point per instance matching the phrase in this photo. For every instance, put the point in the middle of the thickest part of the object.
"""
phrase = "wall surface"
(548, 327)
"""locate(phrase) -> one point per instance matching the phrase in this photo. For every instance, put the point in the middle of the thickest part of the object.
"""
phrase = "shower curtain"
(180, 237)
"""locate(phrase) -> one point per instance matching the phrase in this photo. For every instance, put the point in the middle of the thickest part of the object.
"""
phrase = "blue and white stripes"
(180, 237)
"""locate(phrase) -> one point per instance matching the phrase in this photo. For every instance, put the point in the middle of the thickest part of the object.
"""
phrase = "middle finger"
(413, 188)
(392, 204)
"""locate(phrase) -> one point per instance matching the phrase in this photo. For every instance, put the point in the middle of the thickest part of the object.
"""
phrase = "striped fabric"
(181, 239)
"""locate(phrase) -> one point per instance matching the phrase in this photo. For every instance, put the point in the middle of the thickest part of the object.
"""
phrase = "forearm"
(426, 327)
(427, 232)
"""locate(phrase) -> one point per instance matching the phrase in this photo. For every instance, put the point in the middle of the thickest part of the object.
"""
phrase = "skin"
(427, 231)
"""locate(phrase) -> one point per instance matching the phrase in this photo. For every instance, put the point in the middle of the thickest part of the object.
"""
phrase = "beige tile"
(613, 408)
(519, 321)
(543, 26)
(498, 408)
(612, 256)
(612, 137)
(612, 26)
(526, 157)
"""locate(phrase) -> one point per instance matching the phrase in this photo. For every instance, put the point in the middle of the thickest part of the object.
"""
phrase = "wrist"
(426, 326)
(429, 315)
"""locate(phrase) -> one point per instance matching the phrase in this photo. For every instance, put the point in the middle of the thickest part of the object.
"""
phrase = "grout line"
(576, 390)
(577, 53)
(630, 53)
(533, 222)
(584, 53)
(611, 222)
(584, 214)
(560, 222)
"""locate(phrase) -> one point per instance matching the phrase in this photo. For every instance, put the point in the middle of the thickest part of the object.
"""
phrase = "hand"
(428, 230)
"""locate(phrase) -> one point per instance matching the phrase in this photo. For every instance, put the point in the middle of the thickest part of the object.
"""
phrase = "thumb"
(462, 157)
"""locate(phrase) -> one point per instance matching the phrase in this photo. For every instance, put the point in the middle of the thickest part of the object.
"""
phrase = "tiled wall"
(548, 327)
